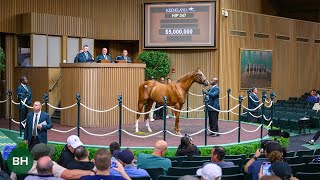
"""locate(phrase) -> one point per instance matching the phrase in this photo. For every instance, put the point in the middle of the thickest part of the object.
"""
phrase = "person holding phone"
(282, 170)
(273, 152)
(186, 148)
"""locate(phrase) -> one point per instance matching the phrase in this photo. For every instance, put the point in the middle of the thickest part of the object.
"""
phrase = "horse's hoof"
(178, 133)
(149, 129)
(137, 130)
(151, 120)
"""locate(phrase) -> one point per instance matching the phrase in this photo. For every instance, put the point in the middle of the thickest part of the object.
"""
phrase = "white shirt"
(24, 86)
(36, 120)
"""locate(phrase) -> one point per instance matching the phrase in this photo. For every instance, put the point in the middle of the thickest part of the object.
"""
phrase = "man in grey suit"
(213, 94)
(37, 124)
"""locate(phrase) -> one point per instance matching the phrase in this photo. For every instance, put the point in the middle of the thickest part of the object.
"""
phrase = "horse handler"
(213, 94)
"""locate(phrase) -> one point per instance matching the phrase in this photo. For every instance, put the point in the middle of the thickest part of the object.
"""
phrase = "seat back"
(192, 163)
(233, 177)
(301, 153)
(236, 162)
(297, 168)
(163, 177)
(179, 159)
(317, 152)
(242, 156)
(290, 154)
(154, 173)
(313, 168)
(294, 160)
(201, 158)
(181, 171)
(308, 176)
(140, 178)
(231, 170)
(307, 158)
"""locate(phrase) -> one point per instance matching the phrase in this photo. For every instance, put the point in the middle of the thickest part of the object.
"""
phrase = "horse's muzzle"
(206, 83)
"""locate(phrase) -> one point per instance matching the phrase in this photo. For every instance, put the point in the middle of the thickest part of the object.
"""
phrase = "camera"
(276, 132)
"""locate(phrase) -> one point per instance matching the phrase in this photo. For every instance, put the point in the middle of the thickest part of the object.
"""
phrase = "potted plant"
(157, 64)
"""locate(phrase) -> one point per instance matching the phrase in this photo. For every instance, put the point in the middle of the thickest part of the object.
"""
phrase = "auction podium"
(99, 85)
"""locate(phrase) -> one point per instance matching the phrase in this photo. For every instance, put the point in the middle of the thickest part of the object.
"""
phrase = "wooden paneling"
(10, 62)
(99, 85)
(295, 66)
(55, 87)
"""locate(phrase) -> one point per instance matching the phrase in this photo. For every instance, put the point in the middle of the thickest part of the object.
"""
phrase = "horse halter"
(201, 77)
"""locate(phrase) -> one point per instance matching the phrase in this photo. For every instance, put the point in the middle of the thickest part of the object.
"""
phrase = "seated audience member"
(41, 150)
(75, 60)
(84, 56)
(44, 168)
(156, 159)
(67, 155)
(114, 146)
(103, 56)
(217, 157)
(186, 148)
(312, 98)
(124, 56)
(126, 157)
(273, 149)
(81, 160)
(210, 172)
(102, 161)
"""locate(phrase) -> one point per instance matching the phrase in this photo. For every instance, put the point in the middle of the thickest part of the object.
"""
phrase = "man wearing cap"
(126, 157)
(42, 150)
(254, 164)
(210, 172)
(37, 124)
(156, 159)
(67, 154)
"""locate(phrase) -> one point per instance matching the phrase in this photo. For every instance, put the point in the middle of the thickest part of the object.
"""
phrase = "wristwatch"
(255, 157)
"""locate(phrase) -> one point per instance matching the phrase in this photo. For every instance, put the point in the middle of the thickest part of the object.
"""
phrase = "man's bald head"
(214, 81)
(44, 165)
(37, 106)
(160, 148)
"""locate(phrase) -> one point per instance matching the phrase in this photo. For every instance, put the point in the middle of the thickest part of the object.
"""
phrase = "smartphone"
(266, 168)
(113, 163)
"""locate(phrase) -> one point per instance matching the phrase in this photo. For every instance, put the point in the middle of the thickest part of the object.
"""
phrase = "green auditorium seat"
(154, 173)
(308, 106)
(298, 122)
(179, 159)
(290, 154)
(308, 176)
(231, 170)
(313, 168)
(297, 168)
(307, 158)
(233, 177)
(181, 171)
(174, 163)
(287, 105)
(140, 178)
(284, 121)
(301, 110)
(291, 101)
(315, 121)
(294, 160)
(193, 163)
(290, 109)
(317, 152)
(201, 158)
(168, 177)
(236, 162)
(298, 106)
(301, 153)
(242, 156)
(280, 108)
(276, 116)
(281, 101)
(293, 98)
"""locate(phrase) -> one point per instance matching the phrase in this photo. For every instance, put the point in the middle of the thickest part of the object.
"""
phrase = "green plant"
(157, 63)
(2, 60)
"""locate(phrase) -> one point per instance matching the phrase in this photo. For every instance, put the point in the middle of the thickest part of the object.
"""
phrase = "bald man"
(156, 159)
(103, 56)
(213, 94)
(37, 124)
(45, 169)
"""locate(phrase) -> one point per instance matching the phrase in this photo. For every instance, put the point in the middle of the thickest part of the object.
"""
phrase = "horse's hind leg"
(148, 108)
(140, 107)
(176, 124)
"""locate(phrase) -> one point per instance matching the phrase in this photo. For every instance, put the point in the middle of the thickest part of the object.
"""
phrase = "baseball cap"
(41, 150)
(126, 156)
(273, 146)
(210, 171)
(74, 141)
(281, 169)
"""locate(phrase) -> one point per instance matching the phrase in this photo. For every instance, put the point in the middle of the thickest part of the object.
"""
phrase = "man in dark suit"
(103, 56)
(213, 94)
(76, 58)
(24, 94)
(85, 56)
(253, 103)
(124, 56)
(37, 124)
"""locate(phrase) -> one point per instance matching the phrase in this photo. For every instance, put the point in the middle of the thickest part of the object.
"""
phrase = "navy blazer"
(81, 58)
(24, 94)
(122, 58)
(100, 57)
(42, 133)
(213, 94)
(253, 104)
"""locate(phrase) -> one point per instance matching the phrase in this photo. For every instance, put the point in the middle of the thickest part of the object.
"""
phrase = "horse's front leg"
(176, 124)
(148, 116)
(140, 107)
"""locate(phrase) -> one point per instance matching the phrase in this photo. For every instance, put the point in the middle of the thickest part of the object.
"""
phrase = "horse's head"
(200, 77)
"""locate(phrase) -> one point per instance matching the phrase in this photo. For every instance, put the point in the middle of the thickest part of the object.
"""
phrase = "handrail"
(54, 84)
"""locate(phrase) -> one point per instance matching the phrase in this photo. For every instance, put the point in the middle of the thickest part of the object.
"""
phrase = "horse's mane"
(186, 76)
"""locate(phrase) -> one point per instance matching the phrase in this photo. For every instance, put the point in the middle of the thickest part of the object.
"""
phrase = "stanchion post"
(239, 121)
(188, 104)
(264, 97)
(206, 101)
(228, 91)
(164, 117)
(78, 103)
(120, 119)
(10, 107)
(248, 97)
(46, 100)
(272, 96)
(20, 113)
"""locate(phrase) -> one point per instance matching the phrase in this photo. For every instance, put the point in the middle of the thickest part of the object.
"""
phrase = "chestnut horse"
(153, 91)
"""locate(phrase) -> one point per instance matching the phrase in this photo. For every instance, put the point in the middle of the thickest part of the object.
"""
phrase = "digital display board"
(179, 25)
